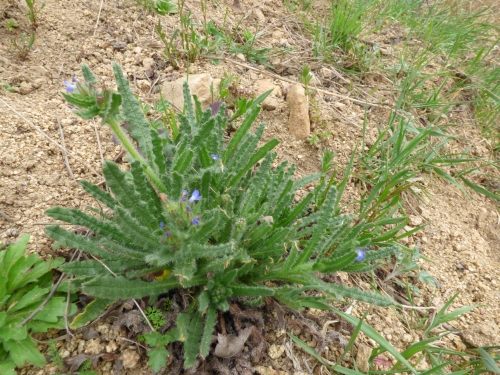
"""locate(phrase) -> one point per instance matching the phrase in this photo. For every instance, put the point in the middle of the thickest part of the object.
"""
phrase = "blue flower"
(367, 248)
(73, 79)
(167, 234)
(361, 255)
(195, 197)
(188, 209)
(215, 156)
(69, 86)
(184, 195)
(195, 221)
(162, 224)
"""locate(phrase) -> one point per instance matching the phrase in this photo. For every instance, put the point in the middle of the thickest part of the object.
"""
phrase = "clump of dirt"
(460, 236)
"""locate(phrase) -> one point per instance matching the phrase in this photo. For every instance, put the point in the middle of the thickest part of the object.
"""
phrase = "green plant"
(10, 24)
(341, 28)
(33, 12)
(443, 361)
(407, 264)
(22, 49)
(305, 76)
(86, 368)
(7, 87)
(25, 283)
(247, 48)
(160, 7)
(209, 218)
(313, 139)
(55, 355)
(156, 317)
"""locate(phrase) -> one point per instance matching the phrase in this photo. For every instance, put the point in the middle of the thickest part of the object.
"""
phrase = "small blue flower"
(215, 156)
(361, 255)
(367, 248)
(162, 224)
(69, 87)
(195, 221)
(73, 79)
(195, 197)
(167, 234)
(188, 209)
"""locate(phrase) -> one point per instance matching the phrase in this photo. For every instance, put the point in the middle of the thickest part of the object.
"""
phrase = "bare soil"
(461, 237)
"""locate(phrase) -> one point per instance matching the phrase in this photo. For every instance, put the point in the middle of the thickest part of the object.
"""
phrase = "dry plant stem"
(65, 155)
(80, 159)
(135, 301)
(37, 310)
(54, 288)
(132, 341)
(98, 142)
(6, 217)
(66, 312)
(97, 20)
(342, 97)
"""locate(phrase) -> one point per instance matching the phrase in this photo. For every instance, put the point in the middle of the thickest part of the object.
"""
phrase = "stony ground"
(461, 237)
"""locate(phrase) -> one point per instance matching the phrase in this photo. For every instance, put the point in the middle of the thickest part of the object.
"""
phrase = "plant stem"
(125, 141)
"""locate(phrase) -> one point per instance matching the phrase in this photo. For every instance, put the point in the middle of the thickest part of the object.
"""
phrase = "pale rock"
(37, 83)
(130, 358)
(284, 42)
(415, 221)
(364, 353)
(385, 51)
(144, 84)
(240, 57)
(482, 334)
(424, 212)
(326, 73)
(277, 34)
(298, 122)
(199, 85)
(270, 103)
(258, 15)
(93, 347)
(148, 62)
(25, 88)
(407, 338)
(275, 351)
(40, 71)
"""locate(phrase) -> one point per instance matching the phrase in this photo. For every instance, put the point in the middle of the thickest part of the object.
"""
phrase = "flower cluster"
(185, 212)
(361, 254)
(70, 86)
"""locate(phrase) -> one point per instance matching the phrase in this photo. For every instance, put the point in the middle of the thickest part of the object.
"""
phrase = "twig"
(276, 76)
(6, 217)
(60, 70)
(50, 139)
(65, 155)
(97, 20)
(66, 312)
(98, 142)
(132, 341)
(135, 301)
(418, 307)
(37, 310)
(54, 288)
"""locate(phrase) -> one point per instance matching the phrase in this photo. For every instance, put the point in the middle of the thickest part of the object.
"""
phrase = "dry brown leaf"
(230, 345)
